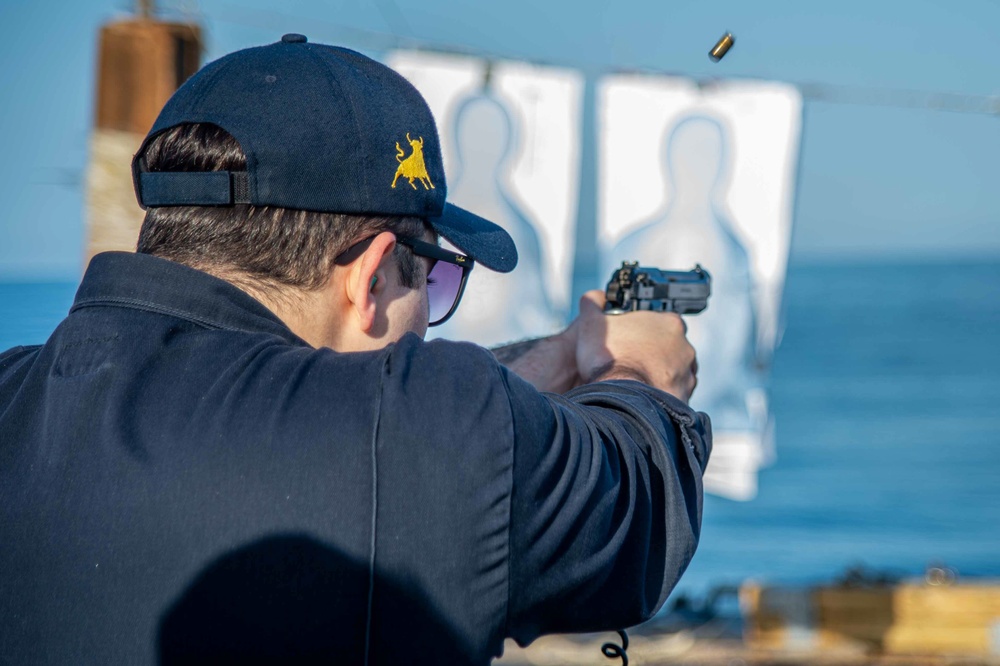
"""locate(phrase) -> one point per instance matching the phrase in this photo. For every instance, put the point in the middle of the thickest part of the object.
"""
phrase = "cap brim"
(479, 238)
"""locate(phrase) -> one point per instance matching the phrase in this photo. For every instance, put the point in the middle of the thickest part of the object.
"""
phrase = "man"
(237, 446)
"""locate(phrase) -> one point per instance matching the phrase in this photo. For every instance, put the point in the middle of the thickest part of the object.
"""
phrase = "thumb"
(592, 300)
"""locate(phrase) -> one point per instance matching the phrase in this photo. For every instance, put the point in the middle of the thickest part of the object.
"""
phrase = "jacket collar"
(145, 282)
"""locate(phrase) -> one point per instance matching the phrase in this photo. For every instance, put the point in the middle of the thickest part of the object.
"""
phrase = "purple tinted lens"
(443, 284)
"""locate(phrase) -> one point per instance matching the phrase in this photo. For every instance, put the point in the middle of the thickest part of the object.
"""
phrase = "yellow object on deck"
(904, 618)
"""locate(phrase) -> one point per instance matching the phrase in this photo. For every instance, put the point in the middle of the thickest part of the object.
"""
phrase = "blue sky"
(875, 182)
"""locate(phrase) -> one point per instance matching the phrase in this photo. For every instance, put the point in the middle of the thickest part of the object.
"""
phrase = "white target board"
(705, 174)
(510, 136)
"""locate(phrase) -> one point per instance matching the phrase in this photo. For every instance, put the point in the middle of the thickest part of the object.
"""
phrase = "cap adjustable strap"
(194, 188)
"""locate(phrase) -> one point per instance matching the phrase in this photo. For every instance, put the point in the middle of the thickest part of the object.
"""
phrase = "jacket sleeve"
(606, 505)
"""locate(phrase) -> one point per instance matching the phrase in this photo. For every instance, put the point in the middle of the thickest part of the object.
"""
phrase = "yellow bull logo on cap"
(413, 166)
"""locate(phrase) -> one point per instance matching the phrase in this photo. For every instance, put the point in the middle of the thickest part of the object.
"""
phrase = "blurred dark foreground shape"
(292, 600)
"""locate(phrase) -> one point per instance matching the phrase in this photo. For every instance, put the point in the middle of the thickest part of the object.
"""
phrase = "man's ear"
(367, 278)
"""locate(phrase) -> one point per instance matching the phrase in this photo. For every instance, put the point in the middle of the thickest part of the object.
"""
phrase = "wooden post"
(141, 63)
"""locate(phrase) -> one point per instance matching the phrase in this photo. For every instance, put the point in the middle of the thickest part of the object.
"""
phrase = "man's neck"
(306, 313)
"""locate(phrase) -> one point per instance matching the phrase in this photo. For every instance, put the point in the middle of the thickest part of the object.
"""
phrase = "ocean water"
(886, 395)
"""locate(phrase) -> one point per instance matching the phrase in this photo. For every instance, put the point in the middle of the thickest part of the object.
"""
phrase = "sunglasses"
(446, 277)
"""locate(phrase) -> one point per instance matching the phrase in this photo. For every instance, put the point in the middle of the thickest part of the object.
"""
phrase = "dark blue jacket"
(182, 478)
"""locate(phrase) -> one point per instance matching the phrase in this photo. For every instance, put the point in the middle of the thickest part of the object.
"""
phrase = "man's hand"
(650, 347)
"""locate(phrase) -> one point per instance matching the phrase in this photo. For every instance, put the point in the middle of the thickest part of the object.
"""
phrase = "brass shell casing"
(722, 47)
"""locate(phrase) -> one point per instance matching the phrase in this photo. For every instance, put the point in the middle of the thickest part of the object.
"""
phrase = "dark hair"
(260, 247)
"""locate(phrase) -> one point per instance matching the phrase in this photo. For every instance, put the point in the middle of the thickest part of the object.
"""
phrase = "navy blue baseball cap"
(323, 129)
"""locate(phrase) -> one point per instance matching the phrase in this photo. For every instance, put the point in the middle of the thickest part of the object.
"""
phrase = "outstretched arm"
(606, 505)
(607, 493)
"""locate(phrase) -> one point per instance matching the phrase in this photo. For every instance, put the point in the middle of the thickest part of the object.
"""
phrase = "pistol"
(633, 287)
